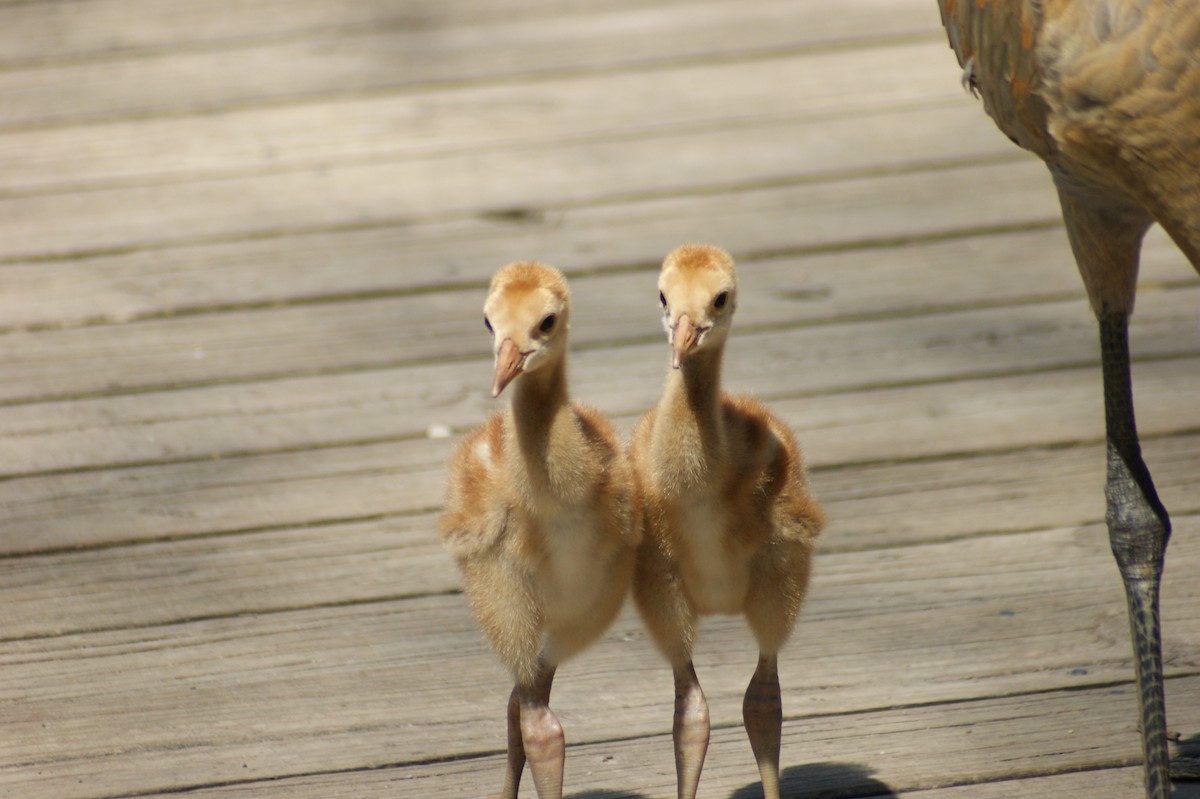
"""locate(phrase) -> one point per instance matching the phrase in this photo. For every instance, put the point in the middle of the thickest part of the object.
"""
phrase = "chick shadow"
(823, 781)
(605, 794)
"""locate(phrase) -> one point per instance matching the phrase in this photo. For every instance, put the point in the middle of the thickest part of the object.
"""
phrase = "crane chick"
(729, 522)
(540, 516)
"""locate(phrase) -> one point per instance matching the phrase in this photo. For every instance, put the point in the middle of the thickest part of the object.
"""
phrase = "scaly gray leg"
(1138, 529)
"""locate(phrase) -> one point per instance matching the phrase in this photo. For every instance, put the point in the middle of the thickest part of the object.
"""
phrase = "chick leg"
(516, 750)
(690, 731)
(542, 739)
(762, 713)
(1138, 529)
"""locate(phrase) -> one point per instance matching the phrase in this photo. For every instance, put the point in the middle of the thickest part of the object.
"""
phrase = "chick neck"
(690, 430)
(543, 429)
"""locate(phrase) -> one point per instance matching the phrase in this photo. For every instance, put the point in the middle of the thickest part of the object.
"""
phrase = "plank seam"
(1112, 763)
(657, 130)
(1190, 515)
(537, 213)
(648, 64)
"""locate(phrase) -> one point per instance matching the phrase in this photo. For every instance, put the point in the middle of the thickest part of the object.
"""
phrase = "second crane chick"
(730, 524)
(540, 516)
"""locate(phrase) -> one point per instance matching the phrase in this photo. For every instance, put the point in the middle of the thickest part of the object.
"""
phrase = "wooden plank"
(882, 505)
(253, 745)
(874, 506)
(319, 690)
(404, 57)
(743, 96)
(312, 412)
(398, 388)
(274, 490)
(48, 31)
(113, 288)
(541, 178)
(356, 334)
(210, 577)
(192, 450)
(897, 504)
(394, 261)
(868, 755)
(833, 778)
(223, 494)
(232, 606)
(1069, 403)
(1079, 785)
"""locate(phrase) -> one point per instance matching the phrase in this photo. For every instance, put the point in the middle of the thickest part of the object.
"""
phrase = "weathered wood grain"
(46, 31)
(760, 101)
(273, 691)
(371, 58)
(115, 288)
(394, 261)
(824, 779)
(875, 506)
(1078, 785)
(546, 178)
(354, 334)
(365, 562)
(268, 571)
(441, 124)
(225, 494)
(242, 252)
(359, 393)
(905, 752)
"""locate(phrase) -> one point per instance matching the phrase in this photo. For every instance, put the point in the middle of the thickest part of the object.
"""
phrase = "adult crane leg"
(1138, 530)
(1106, 237)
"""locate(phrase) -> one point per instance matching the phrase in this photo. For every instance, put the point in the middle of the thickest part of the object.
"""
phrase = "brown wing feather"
(995, 42)
(1122, 83)
(1106, 91)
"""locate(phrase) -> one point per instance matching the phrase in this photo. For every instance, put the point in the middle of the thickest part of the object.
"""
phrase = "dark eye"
(721, 299)
(487, 323)
(662, 299)
(548, 323)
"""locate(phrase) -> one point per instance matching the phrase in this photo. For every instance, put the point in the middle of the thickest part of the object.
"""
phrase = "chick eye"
(662, 298)
(488, 324)
(548, 323)
(721, 299)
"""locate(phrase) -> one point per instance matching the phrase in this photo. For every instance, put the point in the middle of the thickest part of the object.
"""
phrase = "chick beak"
(683, 339)
(510, 361)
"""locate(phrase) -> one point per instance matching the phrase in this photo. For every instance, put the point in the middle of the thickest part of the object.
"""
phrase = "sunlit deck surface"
(243, 253)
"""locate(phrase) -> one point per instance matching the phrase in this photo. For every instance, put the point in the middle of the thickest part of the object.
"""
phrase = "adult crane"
(1107, 93)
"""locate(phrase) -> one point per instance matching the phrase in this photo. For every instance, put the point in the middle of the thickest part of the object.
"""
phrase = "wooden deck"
(243, 251)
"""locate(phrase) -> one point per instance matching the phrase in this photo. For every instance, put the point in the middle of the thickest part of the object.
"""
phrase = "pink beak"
(683, 340)
(509, 363)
